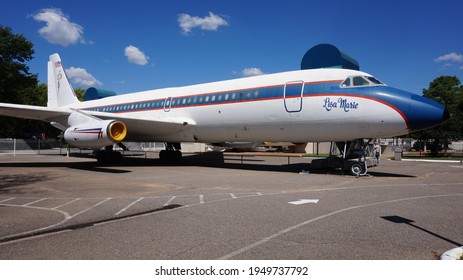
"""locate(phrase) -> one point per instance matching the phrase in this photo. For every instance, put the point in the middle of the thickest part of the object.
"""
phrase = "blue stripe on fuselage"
(417, 111)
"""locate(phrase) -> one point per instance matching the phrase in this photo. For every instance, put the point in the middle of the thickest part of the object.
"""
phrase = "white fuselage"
(297, 106)
(271, 107)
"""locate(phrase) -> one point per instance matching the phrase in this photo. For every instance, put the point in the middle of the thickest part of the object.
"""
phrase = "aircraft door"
(293, 93)
(167, 104)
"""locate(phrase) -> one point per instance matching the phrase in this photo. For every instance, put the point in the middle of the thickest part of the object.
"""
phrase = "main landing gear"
(171, 153)
(108, 155)
(354, 157)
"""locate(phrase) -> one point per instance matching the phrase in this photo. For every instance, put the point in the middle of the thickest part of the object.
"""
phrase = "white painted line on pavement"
(305, 223)
(90, 208)
(128, 206)
(169, 201)
(8, 199)
(33, 202)
(303, 201)
(66, 203)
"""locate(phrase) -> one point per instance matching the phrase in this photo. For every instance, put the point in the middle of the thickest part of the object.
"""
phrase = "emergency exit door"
(293, 93)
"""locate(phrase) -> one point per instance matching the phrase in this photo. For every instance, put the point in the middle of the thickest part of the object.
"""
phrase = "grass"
(315, 155)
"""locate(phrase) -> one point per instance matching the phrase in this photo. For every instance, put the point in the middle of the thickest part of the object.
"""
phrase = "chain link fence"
(30, 146)
(37, 146)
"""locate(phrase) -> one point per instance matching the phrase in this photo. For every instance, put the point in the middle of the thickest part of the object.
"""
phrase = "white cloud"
(135, 56)
(249, 72)
(59, 30)
(211, 22)
(453, 57)
(82, 77)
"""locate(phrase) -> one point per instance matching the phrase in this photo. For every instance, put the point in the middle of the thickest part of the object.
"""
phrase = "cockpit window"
(346, 83)
(374, 80)
(358, 81)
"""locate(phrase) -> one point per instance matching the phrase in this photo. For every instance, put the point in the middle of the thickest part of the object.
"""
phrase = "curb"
(454, 254)
(432, 160)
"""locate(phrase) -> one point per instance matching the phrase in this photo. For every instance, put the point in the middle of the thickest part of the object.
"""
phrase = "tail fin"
(60, 92)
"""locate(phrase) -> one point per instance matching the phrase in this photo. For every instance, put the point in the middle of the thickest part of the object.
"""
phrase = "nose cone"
(425, 113)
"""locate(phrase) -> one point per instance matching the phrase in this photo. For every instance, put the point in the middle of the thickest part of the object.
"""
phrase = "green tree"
(15, 78)
(80, 93)
(448, 91)
(18, 85)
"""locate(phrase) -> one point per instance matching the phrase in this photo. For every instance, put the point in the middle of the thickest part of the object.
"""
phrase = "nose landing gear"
(358, 169)
(353, 158)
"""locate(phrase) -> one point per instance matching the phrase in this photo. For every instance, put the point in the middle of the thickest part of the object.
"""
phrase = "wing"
(139, 129)
(33, 112)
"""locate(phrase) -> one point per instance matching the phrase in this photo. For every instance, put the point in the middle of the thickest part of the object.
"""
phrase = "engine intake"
(95, 134)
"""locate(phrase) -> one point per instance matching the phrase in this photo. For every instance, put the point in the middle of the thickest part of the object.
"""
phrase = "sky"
(128, 46)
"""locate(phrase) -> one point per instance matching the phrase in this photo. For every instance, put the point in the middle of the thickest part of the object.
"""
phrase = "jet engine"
(95, 134)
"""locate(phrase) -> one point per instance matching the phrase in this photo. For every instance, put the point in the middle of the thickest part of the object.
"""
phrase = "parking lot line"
(128, 206)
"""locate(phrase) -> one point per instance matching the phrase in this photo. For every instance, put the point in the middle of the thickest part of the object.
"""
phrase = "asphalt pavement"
(210, 206)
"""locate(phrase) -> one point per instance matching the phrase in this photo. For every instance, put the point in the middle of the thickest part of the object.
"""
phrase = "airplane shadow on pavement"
(211, 160)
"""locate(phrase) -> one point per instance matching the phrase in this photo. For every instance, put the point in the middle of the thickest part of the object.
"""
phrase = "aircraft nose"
(425, 113)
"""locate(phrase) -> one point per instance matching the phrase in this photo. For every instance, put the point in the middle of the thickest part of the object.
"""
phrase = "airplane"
(313, 105)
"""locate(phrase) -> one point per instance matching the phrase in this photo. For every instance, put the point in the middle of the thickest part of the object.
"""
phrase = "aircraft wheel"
(116, 157)
(163, 155)
(177, 155)
(108, 157)
(170, 155)
(357, 169)
(100, 157)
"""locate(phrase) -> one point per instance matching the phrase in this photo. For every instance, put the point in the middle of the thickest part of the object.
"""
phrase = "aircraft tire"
(163, 155)
(108, 157)
(178, 155)
(357, 169)
(170, 155)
